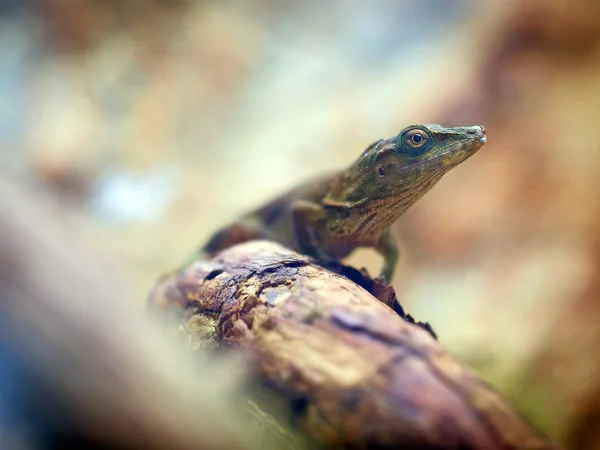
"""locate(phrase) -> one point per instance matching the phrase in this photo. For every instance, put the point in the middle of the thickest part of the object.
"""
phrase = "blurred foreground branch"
(354, 372)
(79, 365)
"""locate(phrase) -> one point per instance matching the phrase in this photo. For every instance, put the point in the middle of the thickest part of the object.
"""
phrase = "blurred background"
(158, 121)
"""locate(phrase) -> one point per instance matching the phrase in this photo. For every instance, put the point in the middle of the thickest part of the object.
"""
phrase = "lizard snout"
(478, 131)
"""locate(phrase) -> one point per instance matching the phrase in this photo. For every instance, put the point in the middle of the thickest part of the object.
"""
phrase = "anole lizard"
(329, 217)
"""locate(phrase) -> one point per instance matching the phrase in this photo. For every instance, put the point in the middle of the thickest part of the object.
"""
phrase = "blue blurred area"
(16, 426)
(14, 68)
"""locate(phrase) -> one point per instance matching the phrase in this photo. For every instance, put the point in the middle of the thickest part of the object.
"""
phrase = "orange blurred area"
(157, 122)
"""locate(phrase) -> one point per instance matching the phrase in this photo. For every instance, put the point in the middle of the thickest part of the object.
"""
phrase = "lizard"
(330, 216)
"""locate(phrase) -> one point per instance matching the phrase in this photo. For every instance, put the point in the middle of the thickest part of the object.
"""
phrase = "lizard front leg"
(305, 217)
(386, 246)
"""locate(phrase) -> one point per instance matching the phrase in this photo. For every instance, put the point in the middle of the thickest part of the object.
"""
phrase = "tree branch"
(354, 372)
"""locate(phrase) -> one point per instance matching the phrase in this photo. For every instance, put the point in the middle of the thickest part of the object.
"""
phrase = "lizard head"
(401, 169)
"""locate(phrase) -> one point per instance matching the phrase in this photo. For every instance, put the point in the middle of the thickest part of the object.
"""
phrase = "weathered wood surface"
(355, 373)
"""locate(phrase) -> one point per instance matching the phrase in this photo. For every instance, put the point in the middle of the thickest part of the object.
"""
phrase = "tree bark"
(339, 351)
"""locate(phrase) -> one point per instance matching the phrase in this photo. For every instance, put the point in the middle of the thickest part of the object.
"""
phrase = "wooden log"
(355, 372)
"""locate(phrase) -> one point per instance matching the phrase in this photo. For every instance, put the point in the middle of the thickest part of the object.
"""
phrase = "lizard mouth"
(461, 149)
(454, 156)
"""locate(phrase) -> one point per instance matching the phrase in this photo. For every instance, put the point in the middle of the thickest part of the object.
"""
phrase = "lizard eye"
(416, 138)
(381, 171)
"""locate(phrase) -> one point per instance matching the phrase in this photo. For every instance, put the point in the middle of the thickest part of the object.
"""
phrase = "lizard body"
(330, 216)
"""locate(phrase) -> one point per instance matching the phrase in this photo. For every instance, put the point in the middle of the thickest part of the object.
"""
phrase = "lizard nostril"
(479, 130)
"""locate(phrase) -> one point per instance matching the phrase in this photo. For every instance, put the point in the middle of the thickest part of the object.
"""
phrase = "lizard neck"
(369, 219)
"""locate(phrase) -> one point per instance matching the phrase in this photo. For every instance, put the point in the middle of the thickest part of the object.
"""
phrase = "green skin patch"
(329, 217)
